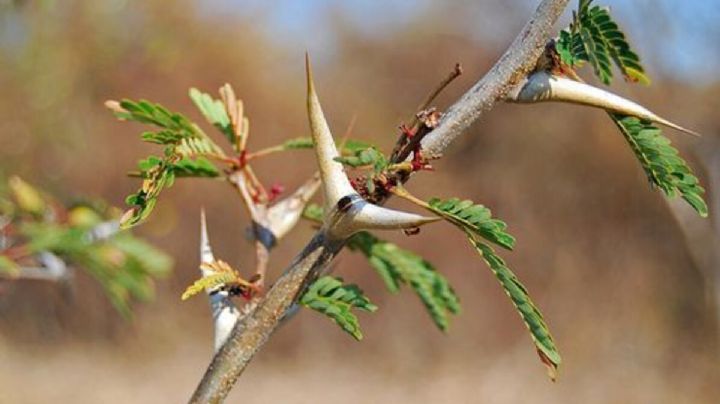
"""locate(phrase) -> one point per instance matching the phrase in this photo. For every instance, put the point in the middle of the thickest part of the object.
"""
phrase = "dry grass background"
(598, 249)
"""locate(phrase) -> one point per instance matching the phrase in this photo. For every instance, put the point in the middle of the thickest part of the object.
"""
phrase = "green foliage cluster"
(123, 264)
(397, 266)
(185, 153)
(596, 38)
(214, 111)
(593, 36)
(661, 161)
(188, 150)
(477, 219)
(329, 296)
(477, 223)
(365, 157)
(525, 307)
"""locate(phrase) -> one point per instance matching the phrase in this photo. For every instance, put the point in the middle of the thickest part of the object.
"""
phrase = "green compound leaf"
(348, 147)
(199, 167)
(603, 27)
(313, 212)
(298, 143)
(196, 146)
(86, 238)
(163, 137)
(596, 38)
(361, 157)
(571, 48)
(351, 146)
(330, 297)
(185, 143)
(215, 113)
(661, 161)
(531, 316)
(397, 266)
(583, 6)
(123, 265)
(142, 257)
(476, 219)
(157, 175)
(597, 52)
(153, 114)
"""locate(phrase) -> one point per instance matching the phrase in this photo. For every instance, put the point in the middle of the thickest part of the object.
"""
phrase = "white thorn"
(206, 253)
(543, 86)
(355, 214)
(284, 215)
(335, 181)
(373, 217)
(224, 312)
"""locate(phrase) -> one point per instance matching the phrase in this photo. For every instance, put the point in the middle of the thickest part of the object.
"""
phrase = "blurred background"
(627, 281)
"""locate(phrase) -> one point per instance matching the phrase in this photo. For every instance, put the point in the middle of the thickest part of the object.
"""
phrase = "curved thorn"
(357, 215)
(224, 312)
(206, 253)
(332, 174)
(284, 215)
(373, 217)
(543, 86)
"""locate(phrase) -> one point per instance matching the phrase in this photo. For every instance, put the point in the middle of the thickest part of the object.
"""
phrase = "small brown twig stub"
(427, 120)
(455, 73)
(411, 129)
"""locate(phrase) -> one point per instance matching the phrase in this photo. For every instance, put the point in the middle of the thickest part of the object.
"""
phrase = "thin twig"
(414, 121)
(427, 121)
(264, 152)
(508, 71)
(401, 192)
(455, 73)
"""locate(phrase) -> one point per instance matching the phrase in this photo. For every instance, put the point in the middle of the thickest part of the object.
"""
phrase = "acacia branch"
(514, 65)
(253, 330)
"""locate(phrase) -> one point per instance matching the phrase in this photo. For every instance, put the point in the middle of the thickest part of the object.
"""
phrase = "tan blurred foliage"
(599, 250)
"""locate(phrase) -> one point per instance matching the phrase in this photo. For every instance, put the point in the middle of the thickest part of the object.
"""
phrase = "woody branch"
(346, 214)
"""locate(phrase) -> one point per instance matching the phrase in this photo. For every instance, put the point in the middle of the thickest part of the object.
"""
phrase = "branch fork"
(346, 212)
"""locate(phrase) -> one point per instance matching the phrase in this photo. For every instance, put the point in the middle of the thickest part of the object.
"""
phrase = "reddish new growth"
(378, 186)
(245, 290)
(275, 191)
(427, 121)
(242, 159)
